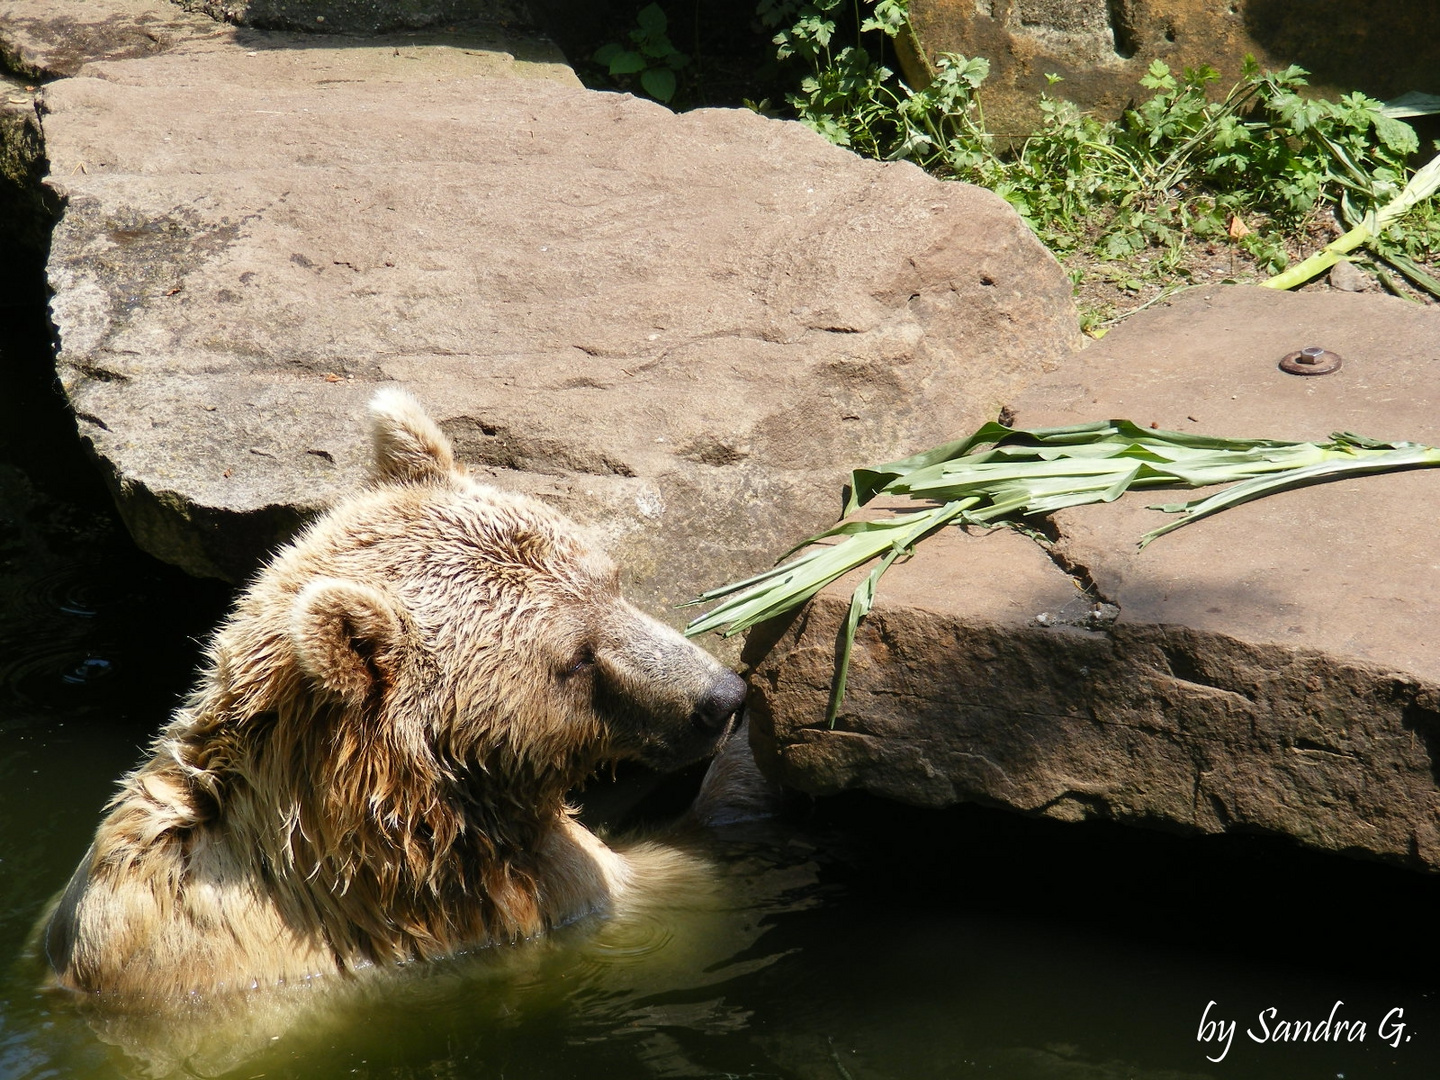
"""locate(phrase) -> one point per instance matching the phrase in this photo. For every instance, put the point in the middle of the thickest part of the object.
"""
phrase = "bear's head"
(433, 629)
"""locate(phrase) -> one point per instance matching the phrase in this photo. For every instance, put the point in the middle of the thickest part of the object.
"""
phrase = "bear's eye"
(581, 662)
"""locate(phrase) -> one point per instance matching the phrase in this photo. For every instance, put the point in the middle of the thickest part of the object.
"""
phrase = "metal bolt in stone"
(1311, 360)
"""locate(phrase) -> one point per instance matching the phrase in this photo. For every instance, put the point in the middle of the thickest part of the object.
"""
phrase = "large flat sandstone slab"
(1273, 669)
(678, 328)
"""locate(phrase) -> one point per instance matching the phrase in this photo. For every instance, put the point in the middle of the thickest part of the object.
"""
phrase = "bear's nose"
(721, 702)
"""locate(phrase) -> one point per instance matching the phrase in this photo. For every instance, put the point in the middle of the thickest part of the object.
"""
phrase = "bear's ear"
(346, 637)
(408, 447)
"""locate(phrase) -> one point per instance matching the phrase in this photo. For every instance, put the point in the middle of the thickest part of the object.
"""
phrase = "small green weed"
(649, 55)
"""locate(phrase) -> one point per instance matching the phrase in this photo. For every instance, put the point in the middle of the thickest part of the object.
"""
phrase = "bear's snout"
(722, 701)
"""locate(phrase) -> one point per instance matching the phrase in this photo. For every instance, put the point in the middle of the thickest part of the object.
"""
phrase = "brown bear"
(375, 763)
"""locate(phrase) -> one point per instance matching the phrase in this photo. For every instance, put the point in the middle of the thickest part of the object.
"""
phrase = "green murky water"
(845, 941)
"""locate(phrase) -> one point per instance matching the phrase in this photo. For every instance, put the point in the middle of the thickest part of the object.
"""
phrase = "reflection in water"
(601, 991)
(542, 1000)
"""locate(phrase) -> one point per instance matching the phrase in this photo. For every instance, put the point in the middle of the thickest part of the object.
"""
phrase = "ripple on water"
(70, 590)
(59, 635)
(631, 940)
(78, 632)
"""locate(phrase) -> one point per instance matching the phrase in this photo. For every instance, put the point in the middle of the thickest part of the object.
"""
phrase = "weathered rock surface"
(26, 214)
(1101, 48)
(45, 39)
(1272, 669)
(681, 329)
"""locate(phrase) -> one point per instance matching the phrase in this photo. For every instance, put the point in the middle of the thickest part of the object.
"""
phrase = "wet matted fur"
(373, 767)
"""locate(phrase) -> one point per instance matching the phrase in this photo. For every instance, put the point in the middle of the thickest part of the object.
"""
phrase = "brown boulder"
(1272, 669)
(680, 329)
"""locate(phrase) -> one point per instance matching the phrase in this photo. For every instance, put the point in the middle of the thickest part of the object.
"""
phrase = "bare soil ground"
(1107, 291)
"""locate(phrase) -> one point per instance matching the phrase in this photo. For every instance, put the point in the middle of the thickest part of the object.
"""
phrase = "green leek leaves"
(1001, 475)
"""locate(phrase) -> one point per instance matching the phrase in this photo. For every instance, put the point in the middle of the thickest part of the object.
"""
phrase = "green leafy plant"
(649, 55)
(845, 94)
(1002, 475)
(1257, 169)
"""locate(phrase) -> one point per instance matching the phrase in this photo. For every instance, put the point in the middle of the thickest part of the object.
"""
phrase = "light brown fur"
(374, 765)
